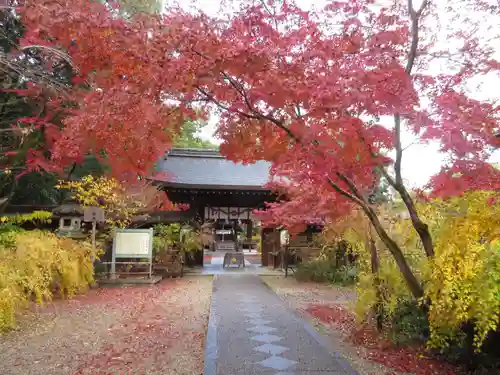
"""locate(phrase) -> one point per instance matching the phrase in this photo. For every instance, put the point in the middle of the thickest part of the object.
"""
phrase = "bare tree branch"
(399, 149)
(54, 51)
(415, 18)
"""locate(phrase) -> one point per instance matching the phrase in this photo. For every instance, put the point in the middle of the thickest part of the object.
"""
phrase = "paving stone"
(266, 338)
(246, 298)
(258, 321)
(271, 349)
(252, 315)
(261, 329)
(254, 310)
(277, 363)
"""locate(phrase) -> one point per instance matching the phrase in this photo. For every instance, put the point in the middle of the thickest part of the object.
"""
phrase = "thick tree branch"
(70, 172)
(352, 186)
(399, 149)
(53, 51)
(415, 18)
(345, 193)
(421, 228)
(251, 108)
(411, 280)
(212, 99)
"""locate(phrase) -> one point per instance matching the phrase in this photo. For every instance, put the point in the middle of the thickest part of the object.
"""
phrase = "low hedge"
(35, 266)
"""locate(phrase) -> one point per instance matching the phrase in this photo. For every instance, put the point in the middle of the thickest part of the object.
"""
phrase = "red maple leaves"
(412, 360)
(120, 111)
(304, 90)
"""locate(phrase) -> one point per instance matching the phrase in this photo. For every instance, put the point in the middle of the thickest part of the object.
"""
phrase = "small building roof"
(208, 169)
(68, 209)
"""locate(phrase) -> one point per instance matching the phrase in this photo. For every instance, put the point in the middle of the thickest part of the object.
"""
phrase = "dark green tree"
(23, 69)
(190, 138)
(132, 7)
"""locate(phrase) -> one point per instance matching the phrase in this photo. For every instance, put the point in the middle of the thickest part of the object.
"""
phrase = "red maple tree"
(305, 90)
(119, 105)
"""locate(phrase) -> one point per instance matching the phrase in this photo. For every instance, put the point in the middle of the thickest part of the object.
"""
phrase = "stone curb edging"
(211, 352)
(320, 339)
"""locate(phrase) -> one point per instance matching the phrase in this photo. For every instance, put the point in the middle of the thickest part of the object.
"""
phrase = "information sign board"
(133, 243)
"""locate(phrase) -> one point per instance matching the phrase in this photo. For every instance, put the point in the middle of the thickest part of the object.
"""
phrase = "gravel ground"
(136, 330)
(299, 296)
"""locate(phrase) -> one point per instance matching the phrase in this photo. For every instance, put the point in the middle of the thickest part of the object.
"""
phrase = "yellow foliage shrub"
(462, 281)
(39, 265)
(392, 288)
(120, 202)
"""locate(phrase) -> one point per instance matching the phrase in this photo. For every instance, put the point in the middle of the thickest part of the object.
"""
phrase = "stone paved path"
(252, 332)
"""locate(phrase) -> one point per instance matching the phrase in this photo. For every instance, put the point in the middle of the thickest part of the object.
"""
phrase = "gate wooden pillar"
(249, 229)
(270, 243)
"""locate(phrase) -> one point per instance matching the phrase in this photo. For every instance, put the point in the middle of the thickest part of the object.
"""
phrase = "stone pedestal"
(234, 259)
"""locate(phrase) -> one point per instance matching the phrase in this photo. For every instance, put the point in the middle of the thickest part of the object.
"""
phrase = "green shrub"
(8, 235)
(409, 324)
(346, 275)
(317, 270)
(324, 270)
(184, 238)
(36, 265)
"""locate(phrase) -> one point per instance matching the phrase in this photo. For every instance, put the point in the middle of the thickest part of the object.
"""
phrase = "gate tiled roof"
(196, 168)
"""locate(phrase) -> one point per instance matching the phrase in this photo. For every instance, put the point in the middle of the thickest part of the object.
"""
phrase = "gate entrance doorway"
(226, 238)
(222, 196)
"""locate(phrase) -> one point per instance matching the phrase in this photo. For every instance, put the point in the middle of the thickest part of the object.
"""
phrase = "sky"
(420, 161)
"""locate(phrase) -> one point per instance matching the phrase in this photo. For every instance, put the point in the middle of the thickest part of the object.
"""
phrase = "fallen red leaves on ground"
(142, 329)
(401, 359)
(139, 340)
(111, 295)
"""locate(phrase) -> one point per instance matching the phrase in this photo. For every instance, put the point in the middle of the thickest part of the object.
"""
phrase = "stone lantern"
(70, 216)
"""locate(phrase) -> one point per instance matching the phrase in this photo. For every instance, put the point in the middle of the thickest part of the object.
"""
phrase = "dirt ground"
(301, 296)
(135, 330)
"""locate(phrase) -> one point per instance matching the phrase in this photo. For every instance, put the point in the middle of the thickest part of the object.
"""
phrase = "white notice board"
(133, 243)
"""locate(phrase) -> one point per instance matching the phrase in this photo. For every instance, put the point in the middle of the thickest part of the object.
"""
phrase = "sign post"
(94, 215)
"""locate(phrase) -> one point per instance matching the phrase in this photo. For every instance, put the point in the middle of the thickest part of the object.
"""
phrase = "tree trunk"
(421, 228)
(413, 284)
(411, 280)
(4, 201)
(379, 307)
